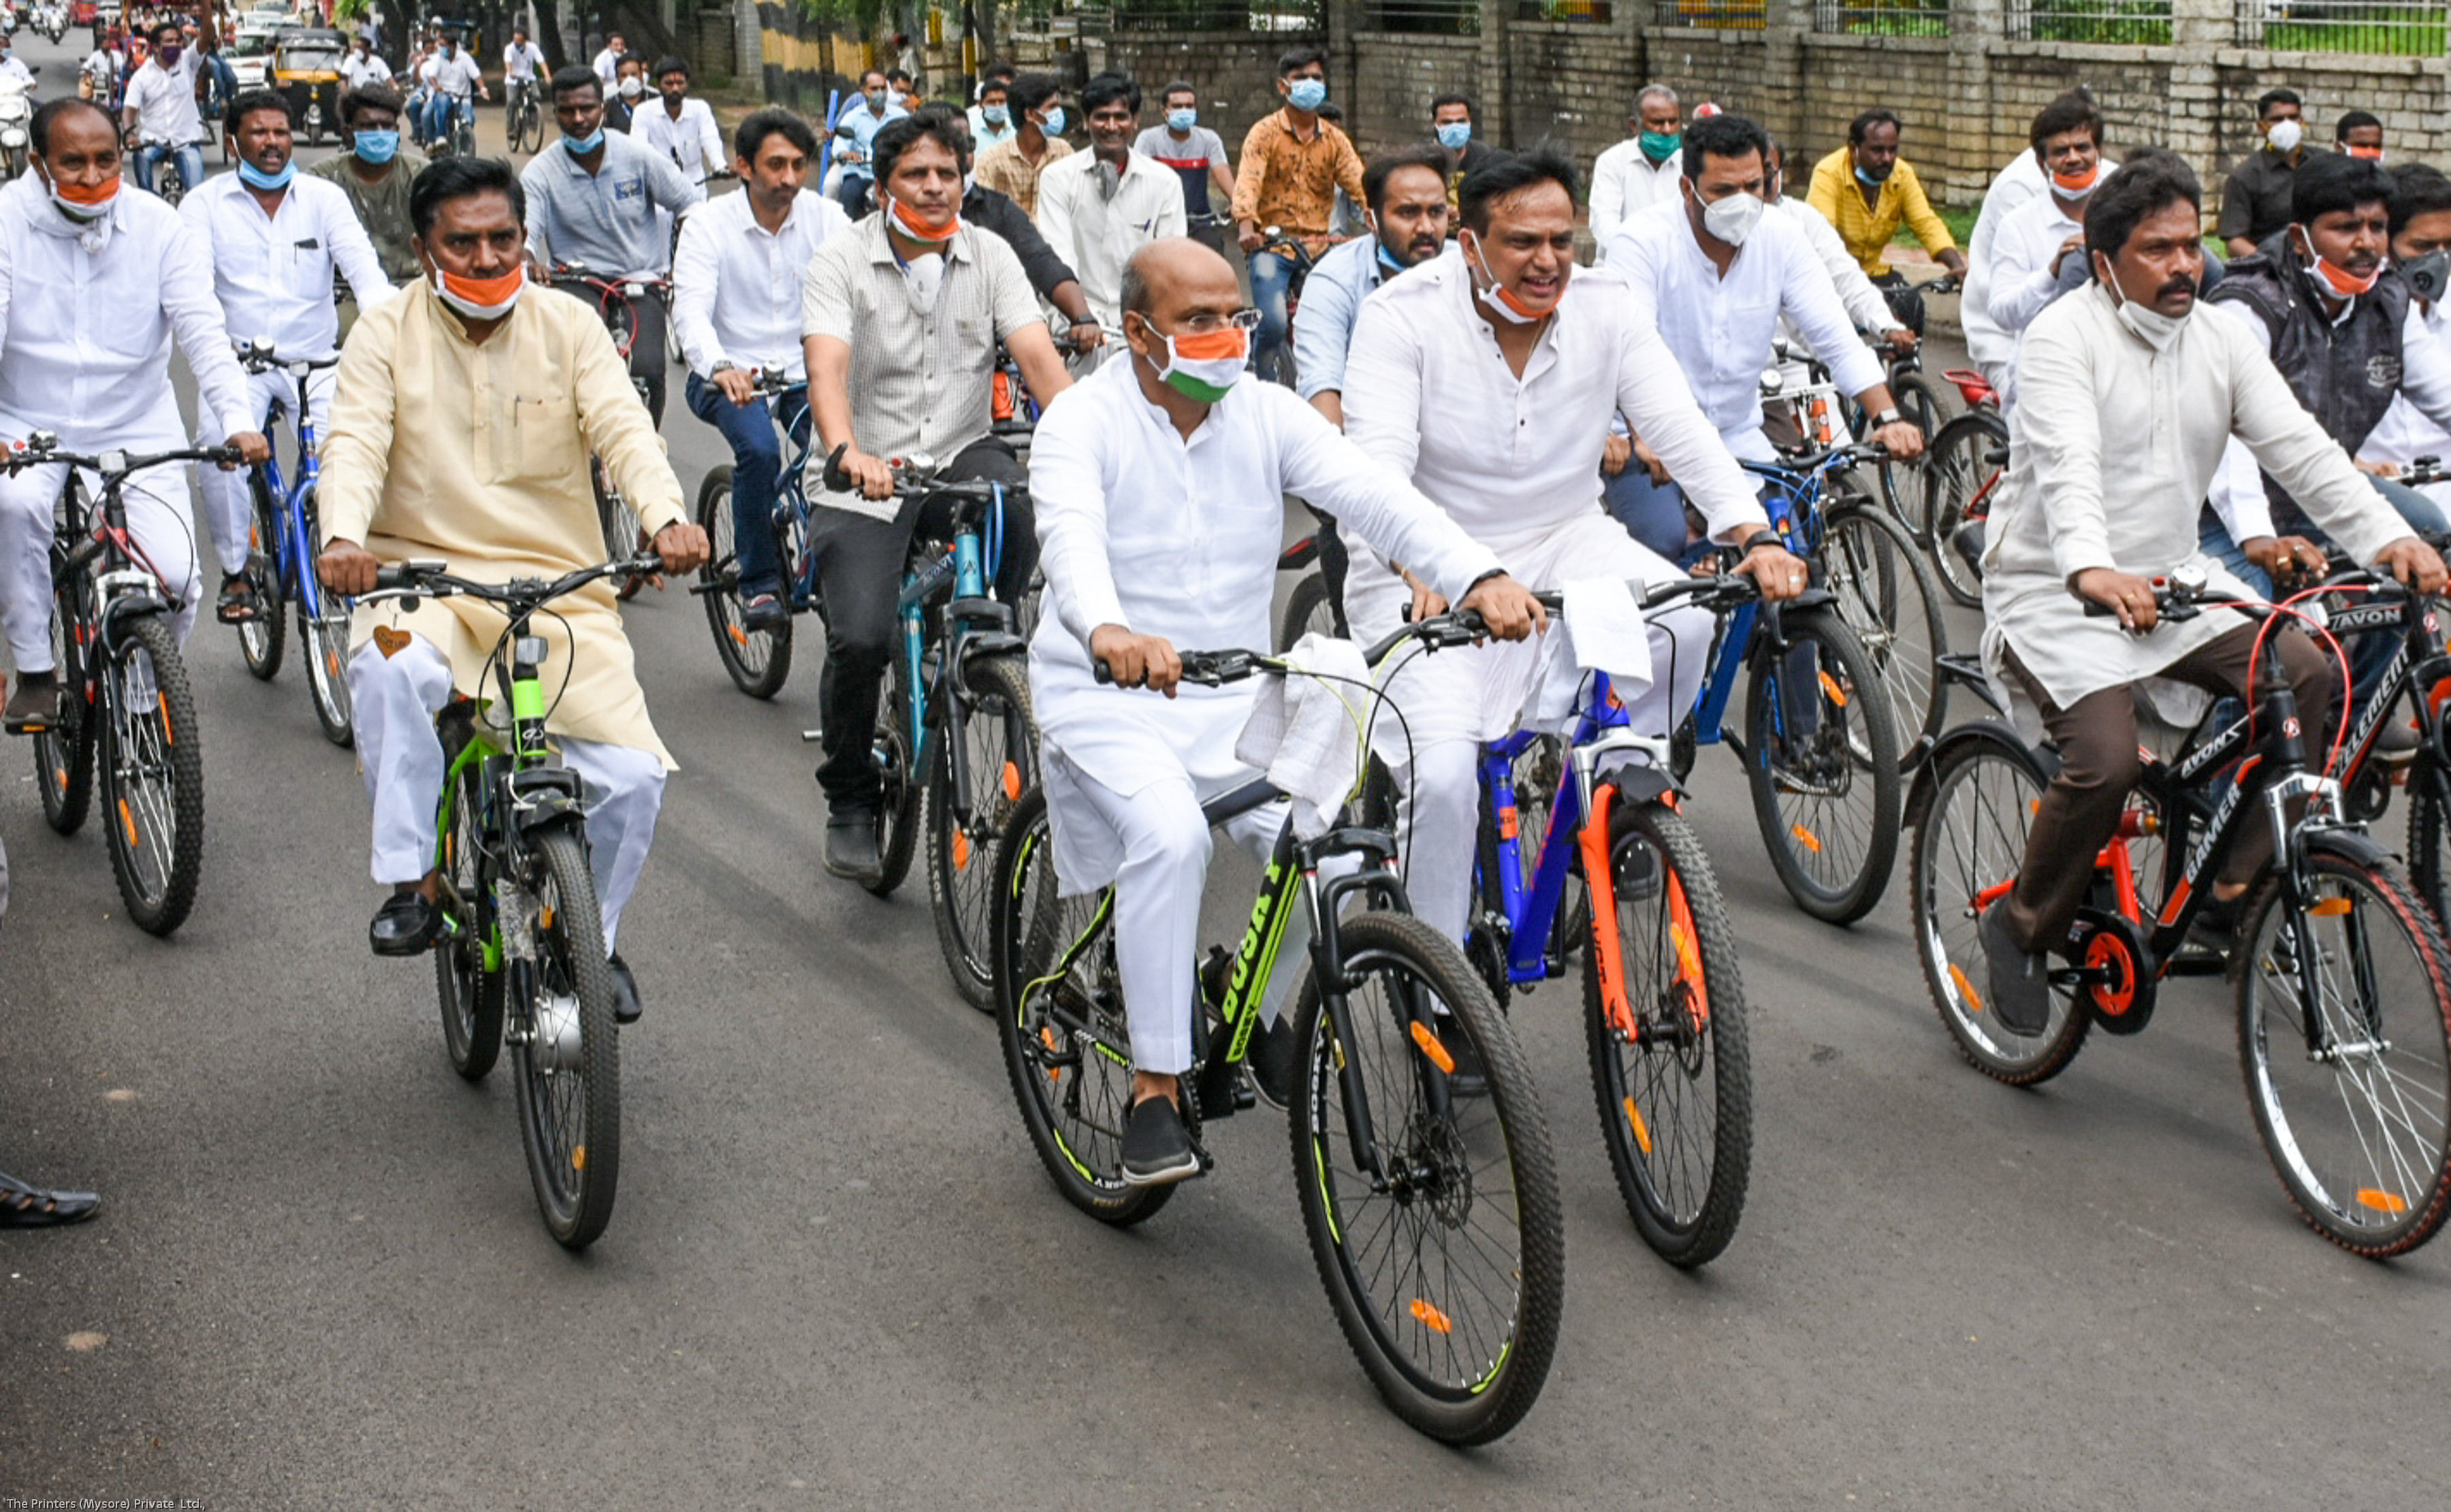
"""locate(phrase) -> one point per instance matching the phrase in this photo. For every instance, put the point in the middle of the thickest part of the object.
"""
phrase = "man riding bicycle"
(375, 173)
(522, 69)
(1161, 483)
(160, 116)
(94, 283)
(901, 319)
(737, 281)
(2129, 396)
(450, 78)
(405, 478)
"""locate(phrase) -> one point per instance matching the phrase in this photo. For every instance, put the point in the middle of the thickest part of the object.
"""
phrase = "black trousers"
(860, 561)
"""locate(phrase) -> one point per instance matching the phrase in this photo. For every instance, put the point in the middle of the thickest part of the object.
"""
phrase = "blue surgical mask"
(1053, 125)
(1308, 94)
(1387, 259)
(255, 178)
(1455, 135)
(376, 148)
(995, 115)
(1182, 120)
(579, 146)
(1864, 177)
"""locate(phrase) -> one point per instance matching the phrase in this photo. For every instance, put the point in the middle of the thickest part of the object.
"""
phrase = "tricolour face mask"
(481, 299)
(908, 222)
(79, 203)
(1204, 367)
(1497, 296)
(2077, 186)
(2332, 279)
(1733, 218)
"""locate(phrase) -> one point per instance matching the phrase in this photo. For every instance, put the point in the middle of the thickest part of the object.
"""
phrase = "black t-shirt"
(2255, 201)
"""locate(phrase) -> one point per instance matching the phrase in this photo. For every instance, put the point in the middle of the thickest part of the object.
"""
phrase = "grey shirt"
(605, 219)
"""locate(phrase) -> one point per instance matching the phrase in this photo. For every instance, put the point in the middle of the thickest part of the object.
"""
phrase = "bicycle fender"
(984, 612)
(1992, 732)
(126, 606)
(546, 796)
(991, 643)
(2348, 844)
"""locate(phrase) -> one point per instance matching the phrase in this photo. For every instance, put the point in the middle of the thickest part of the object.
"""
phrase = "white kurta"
(1624, 182)
(2020, 179)
(2111, 473)
(2406, 432)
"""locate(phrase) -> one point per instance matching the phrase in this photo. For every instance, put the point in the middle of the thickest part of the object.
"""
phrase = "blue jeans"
(436, 119)
(2369, 653)
(1653, 514)
(1271, 276)
(757, 469)
(192, 164)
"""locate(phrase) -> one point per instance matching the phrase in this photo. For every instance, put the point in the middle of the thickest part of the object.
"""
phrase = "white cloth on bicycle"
(1308, 728)
(1604, 632)
(158, 518)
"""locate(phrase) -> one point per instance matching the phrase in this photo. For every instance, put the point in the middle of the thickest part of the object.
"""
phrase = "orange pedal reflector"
(544, 917)
(579, 1157)
(961, 851)
(2381, 1202)
(1430, 1317)
(1965, 989)
(1831, 690)
(1430, 1047)
(1012, 782)
(1641, 1131)
(60, 774)
(127, 823)
(1805, 837)
(2331, 908)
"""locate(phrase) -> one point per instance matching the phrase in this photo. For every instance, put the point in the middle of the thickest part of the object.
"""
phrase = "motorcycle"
(16, 113)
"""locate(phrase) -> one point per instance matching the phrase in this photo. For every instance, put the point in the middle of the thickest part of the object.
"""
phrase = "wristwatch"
(1887, 417)
(1764, 537)
(722, 368)
(1079, 321)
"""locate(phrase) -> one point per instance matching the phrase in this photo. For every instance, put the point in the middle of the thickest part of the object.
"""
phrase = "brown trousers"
(2096, 737)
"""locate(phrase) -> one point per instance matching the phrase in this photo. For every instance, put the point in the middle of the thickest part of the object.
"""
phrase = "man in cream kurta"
(475, 451)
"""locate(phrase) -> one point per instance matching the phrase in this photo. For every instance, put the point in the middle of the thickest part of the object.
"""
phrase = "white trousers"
(396, 698)
(1165, 846)
(158, 517)
(229, 503)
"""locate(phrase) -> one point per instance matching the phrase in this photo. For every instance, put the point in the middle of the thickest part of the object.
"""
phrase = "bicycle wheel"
(901, 786)
(1671, 1065)
(2346, 1052)
(64, 754)
(758, 660)
(1442, 1242)
(1960, 479)
(324, 640)
(563, 1044)
(1887, 597)
(1969, 841)
(1000, 751)
(1902, 485)
(1307, 609)
(2429, 832)
(470, 996)
(153, 769)
(1821, 753)
(613, 515)
(1060, 1021)
(261, 640)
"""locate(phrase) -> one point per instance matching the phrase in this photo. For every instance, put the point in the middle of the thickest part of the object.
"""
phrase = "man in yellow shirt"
(461, 423)
(1867, 191)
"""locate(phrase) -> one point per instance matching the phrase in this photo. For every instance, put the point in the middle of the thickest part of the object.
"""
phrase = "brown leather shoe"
(33, 704)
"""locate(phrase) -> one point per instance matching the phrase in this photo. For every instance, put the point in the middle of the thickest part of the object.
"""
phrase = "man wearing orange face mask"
(2359, 135)
(96, 282)
(2038, 237)
(900, 320)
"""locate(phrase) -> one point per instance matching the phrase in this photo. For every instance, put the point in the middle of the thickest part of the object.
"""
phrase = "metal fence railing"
(2133, 22)
(1261, 17)
(2394, 28)
(1721, 15)
(1882, 18)
(1437, 18)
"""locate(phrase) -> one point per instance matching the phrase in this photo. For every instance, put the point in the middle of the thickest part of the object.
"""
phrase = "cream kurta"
(478, 455)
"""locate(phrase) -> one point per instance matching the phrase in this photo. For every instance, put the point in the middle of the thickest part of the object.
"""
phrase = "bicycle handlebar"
(426, 578)
(258, 357)
(43, 446)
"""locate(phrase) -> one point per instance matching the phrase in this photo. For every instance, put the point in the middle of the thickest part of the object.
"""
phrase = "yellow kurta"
(478, 455)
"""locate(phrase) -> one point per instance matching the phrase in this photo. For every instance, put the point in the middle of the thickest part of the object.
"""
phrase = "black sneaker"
(850, 845)
(763, 612)
(2020, 980)
(33, 704)
(2215, 925)
(2396, 744)
(626, 1006)
(1275, 1060)
(1157, 1149)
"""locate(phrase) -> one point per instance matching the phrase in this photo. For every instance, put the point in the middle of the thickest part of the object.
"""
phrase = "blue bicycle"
(280, 566)
(759, 660)
(1618, 873)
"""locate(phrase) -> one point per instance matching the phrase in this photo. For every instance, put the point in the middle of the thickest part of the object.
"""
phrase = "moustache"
(2180, 284)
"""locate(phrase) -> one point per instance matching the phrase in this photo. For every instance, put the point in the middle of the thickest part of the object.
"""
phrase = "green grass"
(2390, 33)
(2133, 22)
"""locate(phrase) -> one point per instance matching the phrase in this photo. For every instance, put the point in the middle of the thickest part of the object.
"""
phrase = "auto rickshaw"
(306, 68)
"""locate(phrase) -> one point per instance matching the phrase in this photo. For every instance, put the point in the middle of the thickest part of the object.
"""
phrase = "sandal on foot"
(24, 1207)
(237, 603)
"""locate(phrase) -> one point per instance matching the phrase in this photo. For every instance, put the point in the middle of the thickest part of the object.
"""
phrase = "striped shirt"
(921, 379)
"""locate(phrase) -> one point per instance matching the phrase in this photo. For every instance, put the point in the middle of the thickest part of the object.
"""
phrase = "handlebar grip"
(836, 480)
(1099, 669)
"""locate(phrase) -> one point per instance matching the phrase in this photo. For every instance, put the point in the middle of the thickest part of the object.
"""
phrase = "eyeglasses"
(1208, 323)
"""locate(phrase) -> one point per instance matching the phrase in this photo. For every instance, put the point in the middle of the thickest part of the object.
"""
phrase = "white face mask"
(1733, 218)
(2286, 135)
(2149, 325)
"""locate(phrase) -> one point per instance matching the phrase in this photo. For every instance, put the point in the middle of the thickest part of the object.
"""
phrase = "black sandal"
(24, 1207)
(237, 604)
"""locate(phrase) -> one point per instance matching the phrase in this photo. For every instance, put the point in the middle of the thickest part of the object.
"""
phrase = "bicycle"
(157, 168)
(522, 959)
(759, 660)
(127, 711)
(282, 566)
(1962, 474)
(1433, 1217)
(2342, 978)
(1919, 407)
(955, 736)
(1276, 242)
(614, 299)
(1663, 1004)
(523, 120)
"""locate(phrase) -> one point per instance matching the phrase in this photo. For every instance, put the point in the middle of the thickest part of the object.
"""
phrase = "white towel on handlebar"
(1305, 729)
(1605, 632)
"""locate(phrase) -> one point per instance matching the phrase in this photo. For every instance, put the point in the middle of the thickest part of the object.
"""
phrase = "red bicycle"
(1967, 458)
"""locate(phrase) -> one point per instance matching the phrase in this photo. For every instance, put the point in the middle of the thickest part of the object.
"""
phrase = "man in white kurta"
(1096, 208)
(2129, 398)
(1642, 171)
(1160, 515)
(1991, 348)
(466, 410)
(91, 295)
(1487, 376)
(274, 251)
(2033, 242)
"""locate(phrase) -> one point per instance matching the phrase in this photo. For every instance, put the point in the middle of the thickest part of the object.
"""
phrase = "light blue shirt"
(1331, 302)
(606, 219)
(861, 124)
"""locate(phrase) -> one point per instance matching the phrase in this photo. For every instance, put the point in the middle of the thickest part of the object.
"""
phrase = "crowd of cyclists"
(1554, 494)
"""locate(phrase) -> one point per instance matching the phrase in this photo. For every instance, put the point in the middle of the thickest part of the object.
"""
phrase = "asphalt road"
(836, 1275)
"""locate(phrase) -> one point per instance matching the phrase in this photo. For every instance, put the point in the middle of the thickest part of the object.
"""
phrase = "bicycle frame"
(972, 622)
(293, 545)
(1796, 514)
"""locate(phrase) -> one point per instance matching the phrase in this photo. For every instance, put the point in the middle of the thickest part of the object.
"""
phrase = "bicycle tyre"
(1074, 1100)
(1956, 469)
(1854, 745)
(262, 639)
(961, 858)
(63, 755)
(758, 661)
(2429, 834)
(470, 996)
(1969, 838)
(1307, 608)
(1902, 487)
(1887, 597)
(2365, 1204)
(325, 642)
(573, 1140)
(172, 805)
(901, 787)
(1679, 950)
(1475, 1393)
